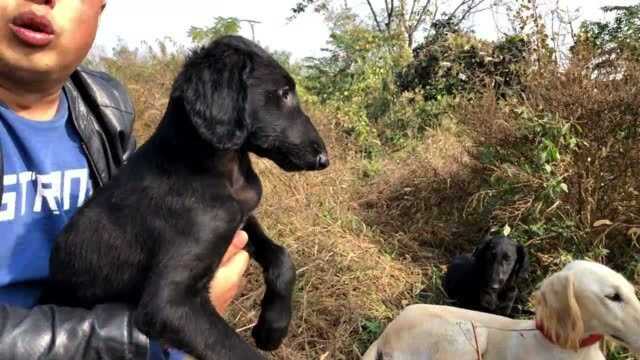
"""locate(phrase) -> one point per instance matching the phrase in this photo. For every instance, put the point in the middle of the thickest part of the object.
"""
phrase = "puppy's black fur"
(487, 280)
(153, 236)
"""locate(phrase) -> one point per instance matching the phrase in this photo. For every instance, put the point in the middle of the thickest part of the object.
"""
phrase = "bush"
(456, 63)
(409, 117)
(562, 162)
(619, 36)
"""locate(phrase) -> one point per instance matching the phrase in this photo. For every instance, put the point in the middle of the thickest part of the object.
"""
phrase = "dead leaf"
(600, 223)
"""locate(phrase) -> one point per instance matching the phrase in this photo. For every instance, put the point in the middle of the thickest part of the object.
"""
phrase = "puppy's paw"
(269, 336)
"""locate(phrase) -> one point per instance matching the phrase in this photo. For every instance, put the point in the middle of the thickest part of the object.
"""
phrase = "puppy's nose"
(322, 161)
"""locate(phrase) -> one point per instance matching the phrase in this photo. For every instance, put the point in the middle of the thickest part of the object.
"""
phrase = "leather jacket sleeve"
(104, 117)
(57, 333)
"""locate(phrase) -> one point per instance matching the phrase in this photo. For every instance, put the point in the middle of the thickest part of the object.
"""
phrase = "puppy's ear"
(521, 268)
(558, 312)
(213, 89)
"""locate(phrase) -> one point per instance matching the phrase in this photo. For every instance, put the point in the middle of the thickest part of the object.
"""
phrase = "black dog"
(487, 280)
(152, 236)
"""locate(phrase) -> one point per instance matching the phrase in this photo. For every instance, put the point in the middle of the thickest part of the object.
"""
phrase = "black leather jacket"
(103, 115)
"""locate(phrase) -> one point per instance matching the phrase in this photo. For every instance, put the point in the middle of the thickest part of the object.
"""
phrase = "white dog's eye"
(615, 297)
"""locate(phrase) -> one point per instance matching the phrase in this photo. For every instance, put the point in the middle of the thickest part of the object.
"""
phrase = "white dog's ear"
(558, 312)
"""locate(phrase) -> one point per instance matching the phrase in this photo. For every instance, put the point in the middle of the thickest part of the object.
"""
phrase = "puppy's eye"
(285, 93)
(615, 297)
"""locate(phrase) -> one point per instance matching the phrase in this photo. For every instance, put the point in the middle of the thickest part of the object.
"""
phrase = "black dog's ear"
(521, 268)
(213, 89)
(482, 247)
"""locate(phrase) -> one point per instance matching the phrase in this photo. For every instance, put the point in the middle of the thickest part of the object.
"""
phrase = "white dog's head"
(588, 298)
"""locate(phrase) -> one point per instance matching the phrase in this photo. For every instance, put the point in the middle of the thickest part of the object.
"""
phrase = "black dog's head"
(239, 97)
(501, 261)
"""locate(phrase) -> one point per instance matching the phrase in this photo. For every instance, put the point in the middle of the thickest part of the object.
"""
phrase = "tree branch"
(375, 16)
(413, 9)
(471, 6)
(460, 5)
(390, 8)
(422, 14)
(391, 14)
(434, 16)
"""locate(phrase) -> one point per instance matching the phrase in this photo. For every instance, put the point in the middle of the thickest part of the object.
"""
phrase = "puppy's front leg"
(175, 305)
(280, 276)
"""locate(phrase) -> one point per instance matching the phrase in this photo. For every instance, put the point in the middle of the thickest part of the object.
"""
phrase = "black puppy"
(150, 237)
(487, 280)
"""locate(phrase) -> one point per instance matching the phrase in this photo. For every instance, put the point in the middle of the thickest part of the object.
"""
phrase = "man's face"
(46, 39)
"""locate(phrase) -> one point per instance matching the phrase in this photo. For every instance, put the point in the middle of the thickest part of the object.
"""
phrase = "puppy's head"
(239, 97)
(501, 261)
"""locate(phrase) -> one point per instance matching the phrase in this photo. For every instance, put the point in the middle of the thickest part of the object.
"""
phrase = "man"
(64, 131)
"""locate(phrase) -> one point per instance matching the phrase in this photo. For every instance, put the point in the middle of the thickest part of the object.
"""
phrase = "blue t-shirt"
(46, 179)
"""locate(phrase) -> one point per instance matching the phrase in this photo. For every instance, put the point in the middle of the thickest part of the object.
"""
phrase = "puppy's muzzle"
(322, 161)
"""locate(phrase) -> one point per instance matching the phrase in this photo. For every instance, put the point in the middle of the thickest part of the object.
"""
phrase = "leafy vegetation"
(621, 34)
(221, 26)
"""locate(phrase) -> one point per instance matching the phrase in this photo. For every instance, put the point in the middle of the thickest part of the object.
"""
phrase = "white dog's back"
(437, 332)
(433, 332)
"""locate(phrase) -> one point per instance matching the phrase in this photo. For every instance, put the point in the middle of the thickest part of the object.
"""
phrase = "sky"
(134, 21)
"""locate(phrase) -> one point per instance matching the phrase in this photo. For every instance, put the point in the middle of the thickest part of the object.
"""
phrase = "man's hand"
(229, 277)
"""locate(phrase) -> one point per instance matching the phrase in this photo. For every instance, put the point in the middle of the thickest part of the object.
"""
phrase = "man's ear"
(213, 89)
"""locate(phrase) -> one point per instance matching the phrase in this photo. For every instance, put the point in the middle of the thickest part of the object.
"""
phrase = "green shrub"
(619, 36)
(409, 116)
(356, 77)
(456, 63)
(526, 173)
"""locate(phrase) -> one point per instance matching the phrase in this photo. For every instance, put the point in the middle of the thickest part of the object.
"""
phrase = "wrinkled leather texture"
(103, 115)
(56, 333)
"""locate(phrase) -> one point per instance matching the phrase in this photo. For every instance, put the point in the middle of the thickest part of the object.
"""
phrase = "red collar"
(586, 342)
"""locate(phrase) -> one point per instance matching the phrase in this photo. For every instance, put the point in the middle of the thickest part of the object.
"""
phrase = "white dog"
(575, 308)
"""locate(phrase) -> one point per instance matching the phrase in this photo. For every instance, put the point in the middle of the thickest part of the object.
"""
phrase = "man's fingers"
(236, 266)
(238, 243)
(228, 279)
